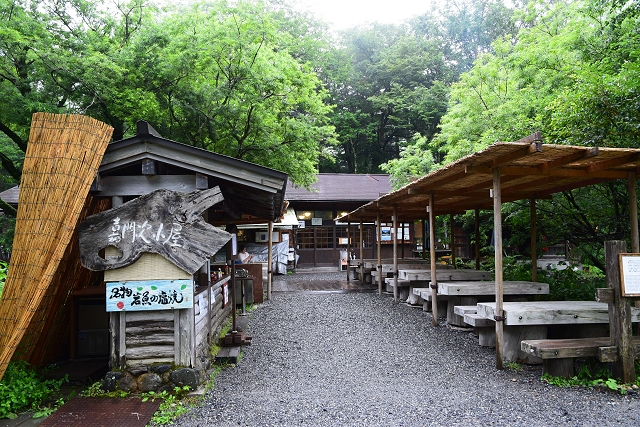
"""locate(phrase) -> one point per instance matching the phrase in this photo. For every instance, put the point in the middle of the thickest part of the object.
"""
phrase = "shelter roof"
(340, 187)
(11, 195)
(251, 192)
(528, 169)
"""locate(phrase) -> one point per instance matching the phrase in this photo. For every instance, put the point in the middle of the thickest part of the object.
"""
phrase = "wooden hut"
(75, 322)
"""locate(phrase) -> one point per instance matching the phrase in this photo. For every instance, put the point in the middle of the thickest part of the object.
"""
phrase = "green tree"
(394, 86)
(226, 80)
(571, 73)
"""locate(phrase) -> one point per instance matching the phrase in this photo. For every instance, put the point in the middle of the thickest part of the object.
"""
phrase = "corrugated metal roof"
(332, 187)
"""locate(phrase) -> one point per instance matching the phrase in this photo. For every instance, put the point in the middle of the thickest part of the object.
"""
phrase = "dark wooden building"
(318, 240)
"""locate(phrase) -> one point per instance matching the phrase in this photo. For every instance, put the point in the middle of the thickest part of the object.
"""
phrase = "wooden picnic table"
(443, 274)
(476, 288)
(552, 312)
(529, 321)
(373, 263)
(470, 293)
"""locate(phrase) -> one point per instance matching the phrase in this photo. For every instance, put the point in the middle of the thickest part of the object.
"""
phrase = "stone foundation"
(156, 378)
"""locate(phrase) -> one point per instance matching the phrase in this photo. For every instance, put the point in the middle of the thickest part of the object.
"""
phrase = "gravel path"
(357, 359)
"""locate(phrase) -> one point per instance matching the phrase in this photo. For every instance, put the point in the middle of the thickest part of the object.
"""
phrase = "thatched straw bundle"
(62, 158)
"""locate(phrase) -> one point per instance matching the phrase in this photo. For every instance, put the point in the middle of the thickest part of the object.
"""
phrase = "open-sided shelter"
(523, 170)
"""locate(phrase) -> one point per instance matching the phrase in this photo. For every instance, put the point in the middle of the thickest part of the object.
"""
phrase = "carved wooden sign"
(165, 222)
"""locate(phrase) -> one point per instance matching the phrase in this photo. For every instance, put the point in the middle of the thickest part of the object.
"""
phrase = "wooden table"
(443, 274)
(529, 320)
(470, 293)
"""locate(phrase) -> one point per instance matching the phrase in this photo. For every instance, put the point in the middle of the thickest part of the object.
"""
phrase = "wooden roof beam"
(615, 162)
(425, 190)
(570, 158)
(572, 186)
(534, 137)
(558, 172)
(534, 147)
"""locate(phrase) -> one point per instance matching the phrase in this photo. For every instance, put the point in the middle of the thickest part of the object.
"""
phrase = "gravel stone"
(357, 359)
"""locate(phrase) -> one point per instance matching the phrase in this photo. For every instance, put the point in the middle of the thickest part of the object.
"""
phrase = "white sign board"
(630, 274)
(316, 221)
(149, 295)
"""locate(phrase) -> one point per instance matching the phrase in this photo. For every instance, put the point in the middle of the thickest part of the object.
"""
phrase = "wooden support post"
(497, 229)
(402, 240)
(432, 255)
(534, 234)
(361, 244)
(424, 239)
(633, 212)
(269, 261)
(209, 305)
(348, 250)
(477, 215)
(452, 240)
(379, 245)
(395, 253)
(619, 313)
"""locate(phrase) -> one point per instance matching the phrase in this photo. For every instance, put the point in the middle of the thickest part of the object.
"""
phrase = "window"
(367, 235)
(305, 238)
(324, 238)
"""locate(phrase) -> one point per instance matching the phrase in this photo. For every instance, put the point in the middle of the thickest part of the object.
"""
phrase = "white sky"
(344, 14)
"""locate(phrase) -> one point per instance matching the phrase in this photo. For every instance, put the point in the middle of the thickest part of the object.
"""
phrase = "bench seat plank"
(473, 319)
(570, 348)
(465, 309)
(426, 295)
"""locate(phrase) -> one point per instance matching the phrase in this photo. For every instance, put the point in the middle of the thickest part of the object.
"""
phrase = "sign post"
(621, 268)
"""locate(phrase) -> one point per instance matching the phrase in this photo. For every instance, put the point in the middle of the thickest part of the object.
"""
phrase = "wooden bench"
(461, 310)
(483, 328)
(425, 294)
(528, 321)
(403, 288)
(558, 355)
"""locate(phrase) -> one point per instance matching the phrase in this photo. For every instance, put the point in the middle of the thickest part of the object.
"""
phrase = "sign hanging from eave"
(165, 222)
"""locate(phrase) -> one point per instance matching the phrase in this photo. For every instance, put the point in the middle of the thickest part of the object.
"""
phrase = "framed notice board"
(630, 274)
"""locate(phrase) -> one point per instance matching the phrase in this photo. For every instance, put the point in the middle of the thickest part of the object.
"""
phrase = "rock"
(149, 382)
(138, 370)
(128, 383)
(185, 376)
(161, 368)
(110, 382)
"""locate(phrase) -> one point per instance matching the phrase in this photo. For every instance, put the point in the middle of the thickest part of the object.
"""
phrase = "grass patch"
(173, 404)
(595, 374)
(514, 366)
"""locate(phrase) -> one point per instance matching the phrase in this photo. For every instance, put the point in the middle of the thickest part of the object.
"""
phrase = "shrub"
(22, 388)
(564, 285)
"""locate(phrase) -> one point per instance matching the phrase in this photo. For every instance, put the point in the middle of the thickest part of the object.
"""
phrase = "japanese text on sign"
(146, 232)
(630, 274)
(149, 295)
